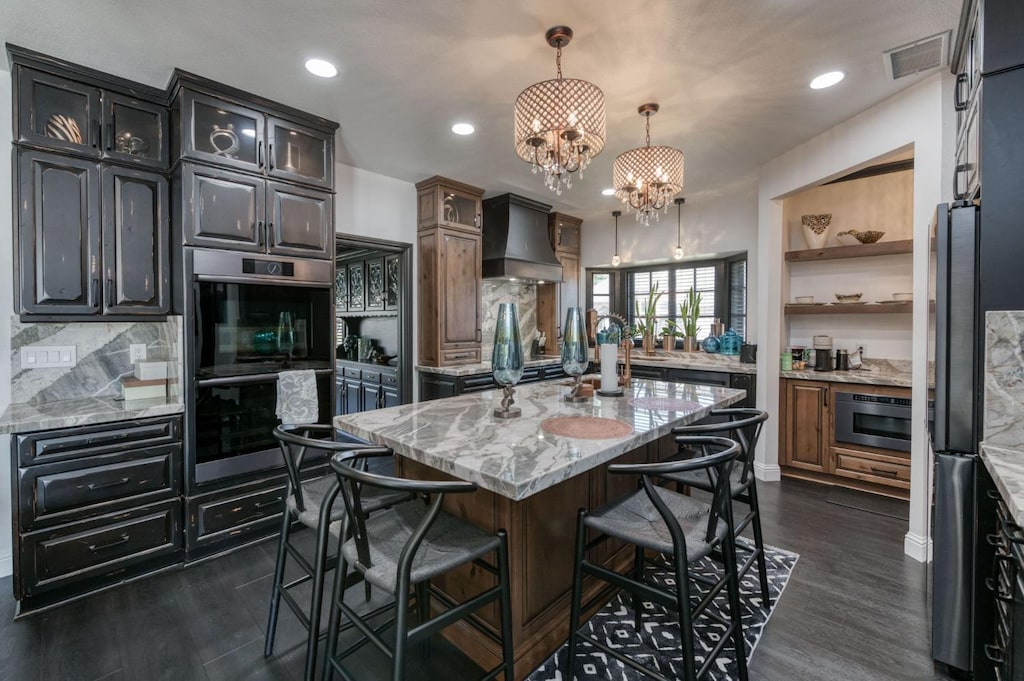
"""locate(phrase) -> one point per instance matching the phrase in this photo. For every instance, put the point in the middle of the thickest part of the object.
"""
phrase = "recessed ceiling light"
(512, 279)
(608, 192)
(322, 68)
(827, 80)
(463, 129)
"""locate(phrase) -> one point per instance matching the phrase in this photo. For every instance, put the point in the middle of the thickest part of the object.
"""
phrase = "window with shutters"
(722, 284)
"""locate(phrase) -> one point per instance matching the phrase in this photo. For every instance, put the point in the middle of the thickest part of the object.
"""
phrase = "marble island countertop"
(875, 372)
(25, 417)
(517, 457)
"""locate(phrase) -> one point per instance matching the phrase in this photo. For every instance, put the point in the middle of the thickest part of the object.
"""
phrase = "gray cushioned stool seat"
(450, 542)
(636, 520)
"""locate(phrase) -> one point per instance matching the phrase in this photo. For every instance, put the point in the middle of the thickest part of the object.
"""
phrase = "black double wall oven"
(251, 317)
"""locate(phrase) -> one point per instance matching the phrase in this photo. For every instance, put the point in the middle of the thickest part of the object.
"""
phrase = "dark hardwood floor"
(855, 609)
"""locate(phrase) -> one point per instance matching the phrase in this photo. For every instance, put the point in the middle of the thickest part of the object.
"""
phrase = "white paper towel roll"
(609, 376)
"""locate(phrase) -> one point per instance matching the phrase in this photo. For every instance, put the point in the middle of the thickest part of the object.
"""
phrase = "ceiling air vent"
(916, 57)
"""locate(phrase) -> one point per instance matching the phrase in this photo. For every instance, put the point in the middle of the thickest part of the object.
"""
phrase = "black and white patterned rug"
(657, 644)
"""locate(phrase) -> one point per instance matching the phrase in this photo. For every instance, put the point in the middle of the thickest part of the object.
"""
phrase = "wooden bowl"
(869, 237)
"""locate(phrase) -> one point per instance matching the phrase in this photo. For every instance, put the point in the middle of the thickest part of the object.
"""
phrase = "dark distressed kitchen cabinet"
(221, 208)
(58, 234)
(68, 115)
(300, 221)
(93, 231)
(136, 261)
(299, 153)
(87, 249)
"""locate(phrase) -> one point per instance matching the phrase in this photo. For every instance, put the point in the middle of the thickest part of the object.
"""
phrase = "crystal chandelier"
(560, 123)
(646, 178)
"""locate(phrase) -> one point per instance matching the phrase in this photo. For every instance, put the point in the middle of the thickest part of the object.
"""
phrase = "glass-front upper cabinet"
(58, 113)
(223, 133)
(134, 131)
(299, 154)
(449, 203)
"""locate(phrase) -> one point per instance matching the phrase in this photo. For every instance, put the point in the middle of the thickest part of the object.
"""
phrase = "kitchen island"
(532, 483)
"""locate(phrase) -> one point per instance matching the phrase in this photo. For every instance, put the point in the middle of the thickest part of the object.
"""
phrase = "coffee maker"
(822, 353)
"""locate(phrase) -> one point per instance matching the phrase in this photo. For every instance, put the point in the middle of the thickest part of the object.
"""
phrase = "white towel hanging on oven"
(297, 399)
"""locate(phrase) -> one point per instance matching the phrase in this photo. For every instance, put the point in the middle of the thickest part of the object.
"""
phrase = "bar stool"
(311, 503)
(685, 529)
(744, 426)
(401, 550)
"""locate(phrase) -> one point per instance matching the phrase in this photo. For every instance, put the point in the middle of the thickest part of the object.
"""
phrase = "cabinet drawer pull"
(110, 136)
(259, 232)
(260, 505)
(95, 133)
(994, 653)
(883, 471)
(259, 154)
(97, 548)
(109, 292)
(270, 156)
(95, 291)
(117, 483)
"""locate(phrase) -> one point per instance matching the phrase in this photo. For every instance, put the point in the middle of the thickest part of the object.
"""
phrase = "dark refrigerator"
(957, 621)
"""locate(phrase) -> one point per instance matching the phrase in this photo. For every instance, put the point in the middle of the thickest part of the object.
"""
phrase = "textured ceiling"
(731, 76)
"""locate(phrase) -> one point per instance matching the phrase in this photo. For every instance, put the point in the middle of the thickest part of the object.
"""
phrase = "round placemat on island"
(663, 403)
(586, 427)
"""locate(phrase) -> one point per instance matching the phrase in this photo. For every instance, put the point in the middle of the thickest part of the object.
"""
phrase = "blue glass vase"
(711, 345)
(574, 351)
(730, 343)
(507, 358)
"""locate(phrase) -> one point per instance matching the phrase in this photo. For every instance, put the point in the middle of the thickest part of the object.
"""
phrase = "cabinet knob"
(477, 220)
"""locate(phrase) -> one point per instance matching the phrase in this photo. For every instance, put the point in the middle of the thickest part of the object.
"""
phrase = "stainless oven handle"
(257, 279)
(245, 380)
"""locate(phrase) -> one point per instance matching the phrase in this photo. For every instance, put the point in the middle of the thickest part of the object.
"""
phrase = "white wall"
(712, 223)
(376, 206)
(6, 309)
(914, 118)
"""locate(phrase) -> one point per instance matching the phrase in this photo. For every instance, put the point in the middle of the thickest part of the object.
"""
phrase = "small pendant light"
(615, 258)
(679, 241)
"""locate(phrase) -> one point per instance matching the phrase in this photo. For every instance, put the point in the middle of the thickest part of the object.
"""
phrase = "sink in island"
(532, 483)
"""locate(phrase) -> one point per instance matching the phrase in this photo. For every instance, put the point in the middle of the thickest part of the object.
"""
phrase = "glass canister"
(730, 343)
(711, 344)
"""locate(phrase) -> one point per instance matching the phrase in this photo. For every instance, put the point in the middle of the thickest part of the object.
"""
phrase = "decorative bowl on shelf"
(868, 237)
(848, 297)
(804, 300)
(903, 297)
(847, 238)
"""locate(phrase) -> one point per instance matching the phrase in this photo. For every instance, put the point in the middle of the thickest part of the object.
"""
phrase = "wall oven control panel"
(276, 268)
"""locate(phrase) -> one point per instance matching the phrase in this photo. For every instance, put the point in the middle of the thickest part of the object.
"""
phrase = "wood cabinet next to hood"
(449, 248)
(553, 299)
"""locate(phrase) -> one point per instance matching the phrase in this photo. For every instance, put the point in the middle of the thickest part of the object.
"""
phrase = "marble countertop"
(485, 367)
(881, 372)
(24, 417)
(516, 457)
(692, 360)
(1006, 466)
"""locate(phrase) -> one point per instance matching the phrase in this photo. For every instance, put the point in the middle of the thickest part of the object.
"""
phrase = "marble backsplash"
(497, 291)
(1004, 379)
(102, 357)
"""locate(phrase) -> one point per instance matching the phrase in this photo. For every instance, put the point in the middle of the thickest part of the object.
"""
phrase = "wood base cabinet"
(808, 448)
(449, 285)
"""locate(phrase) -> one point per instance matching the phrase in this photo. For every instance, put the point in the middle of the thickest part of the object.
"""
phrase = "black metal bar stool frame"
(744, 426)
(295, 443)
(354, 481)
(717, 535)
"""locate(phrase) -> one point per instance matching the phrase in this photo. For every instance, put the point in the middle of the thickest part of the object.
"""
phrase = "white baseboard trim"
(917, 547)
(6, 566)
(769, 472)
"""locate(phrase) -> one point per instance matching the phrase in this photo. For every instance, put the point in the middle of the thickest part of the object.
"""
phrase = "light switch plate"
(48, 356)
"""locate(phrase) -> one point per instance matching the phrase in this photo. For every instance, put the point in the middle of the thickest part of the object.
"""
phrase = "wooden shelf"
(888, 308)
(858, 251)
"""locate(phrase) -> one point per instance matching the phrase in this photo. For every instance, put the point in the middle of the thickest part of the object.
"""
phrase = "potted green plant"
(669, 333)
(689, 312)
(646, 319)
